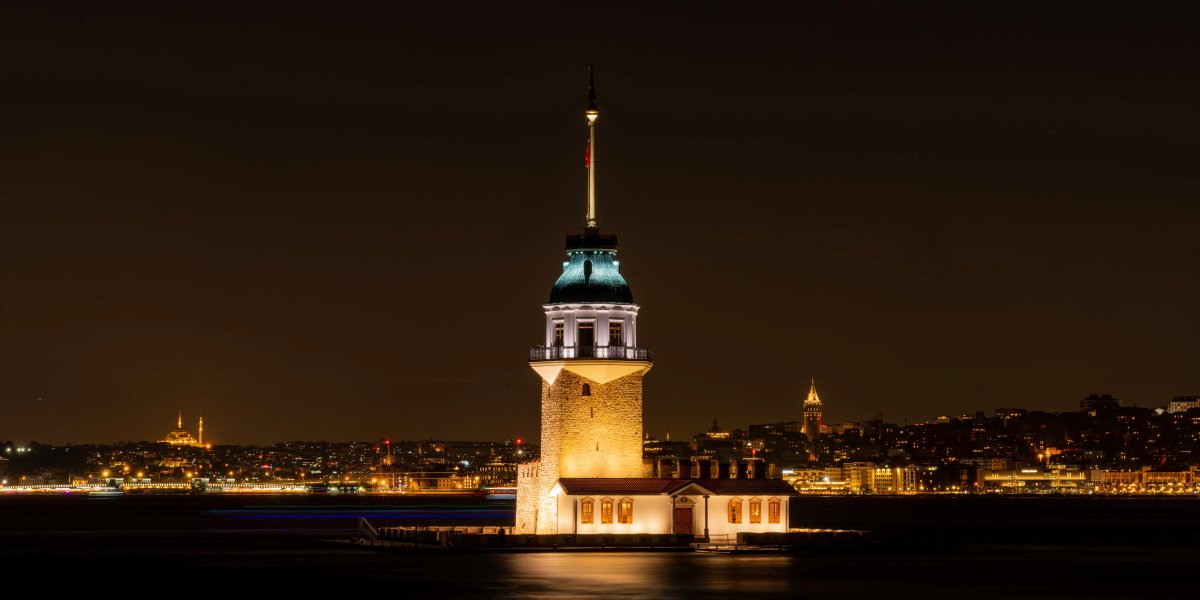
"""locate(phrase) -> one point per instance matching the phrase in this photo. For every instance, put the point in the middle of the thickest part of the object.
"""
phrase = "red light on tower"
(388, 442)
(518, 441)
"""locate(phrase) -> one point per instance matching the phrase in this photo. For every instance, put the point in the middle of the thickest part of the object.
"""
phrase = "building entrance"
(683, 519)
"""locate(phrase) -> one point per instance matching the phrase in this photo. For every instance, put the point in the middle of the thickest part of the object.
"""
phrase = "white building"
(703, 507)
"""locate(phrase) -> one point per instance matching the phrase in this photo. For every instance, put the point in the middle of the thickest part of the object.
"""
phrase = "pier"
(502, 539)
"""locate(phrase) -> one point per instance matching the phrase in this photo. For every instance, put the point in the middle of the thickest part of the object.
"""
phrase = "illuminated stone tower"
(812, 413)
(200, 432)
(591, 369)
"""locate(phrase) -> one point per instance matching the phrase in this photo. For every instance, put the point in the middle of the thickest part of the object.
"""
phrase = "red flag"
(587, 157)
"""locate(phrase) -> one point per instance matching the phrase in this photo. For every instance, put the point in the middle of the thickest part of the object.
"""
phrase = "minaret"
(591, 369)
(179, 423)
(812, 413)
(200, 433)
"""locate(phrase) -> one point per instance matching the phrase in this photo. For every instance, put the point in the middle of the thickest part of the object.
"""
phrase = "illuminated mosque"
(591, 476)
(182, 437)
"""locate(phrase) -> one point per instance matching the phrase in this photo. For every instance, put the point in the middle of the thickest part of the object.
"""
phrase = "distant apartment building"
(1183, 404)
(988, 464)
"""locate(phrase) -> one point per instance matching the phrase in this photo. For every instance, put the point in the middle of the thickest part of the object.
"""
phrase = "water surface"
(984, 547)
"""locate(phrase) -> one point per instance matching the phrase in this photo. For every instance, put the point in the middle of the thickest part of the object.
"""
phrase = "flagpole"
(592, 114)
(591, 212)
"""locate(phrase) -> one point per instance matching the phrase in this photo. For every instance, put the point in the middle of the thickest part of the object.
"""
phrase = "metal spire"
(592, 88)
(592, 114)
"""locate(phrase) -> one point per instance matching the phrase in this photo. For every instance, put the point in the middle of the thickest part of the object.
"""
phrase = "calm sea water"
(984, 547)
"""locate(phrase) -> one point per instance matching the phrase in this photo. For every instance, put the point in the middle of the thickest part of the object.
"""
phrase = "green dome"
(591, 274)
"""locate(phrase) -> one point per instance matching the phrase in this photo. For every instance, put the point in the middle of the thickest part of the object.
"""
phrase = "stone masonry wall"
(599, 435)
(528, 496)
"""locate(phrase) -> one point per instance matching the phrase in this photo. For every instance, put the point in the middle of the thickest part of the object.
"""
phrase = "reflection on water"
(1003, 548)
(627, 575)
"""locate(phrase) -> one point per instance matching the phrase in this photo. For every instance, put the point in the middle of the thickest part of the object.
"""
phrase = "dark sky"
(340, 223)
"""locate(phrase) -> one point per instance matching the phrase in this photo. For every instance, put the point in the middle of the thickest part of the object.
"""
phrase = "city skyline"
(311, 229)
(1102, 448)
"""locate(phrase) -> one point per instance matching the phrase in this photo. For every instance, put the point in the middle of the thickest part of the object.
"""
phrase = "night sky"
(340, 223)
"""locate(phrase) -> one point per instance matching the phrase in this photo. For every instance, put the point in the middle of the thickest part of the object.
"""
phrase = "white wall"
(651, 514)
(718, 515)
(571, 314)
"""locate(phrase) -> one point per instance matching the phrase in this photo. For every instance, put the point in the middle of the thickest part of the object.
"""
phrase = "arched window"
(773, 510)
(735, 510)
(606, 511)
(755, 510)
(587, 390)
(625, 511)
(586, 507)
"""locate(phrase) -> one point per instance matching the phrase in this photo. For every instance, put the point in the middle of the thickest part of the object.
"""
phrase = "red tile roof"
(577, 486)
(741, 487)
(616, 485)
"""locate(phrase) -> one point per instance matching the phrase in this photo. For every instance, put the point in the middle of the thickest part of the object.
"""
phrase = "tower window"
(587, 335)
(606, 506)
(735, 510)
(773, 510)
(586, 507)
(616, 332)
(587, 390)
(558, 334)
(625, 511)
(755, 510)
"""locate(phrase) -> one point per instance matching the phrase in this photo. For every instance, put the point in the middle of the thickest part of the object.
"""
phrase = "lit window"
(755, 510)
(585, 511)
(587, 390)
(735, 510)
(625, 511)
(558, 334)
(615, 333)
(773, 510)
(606, 511)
